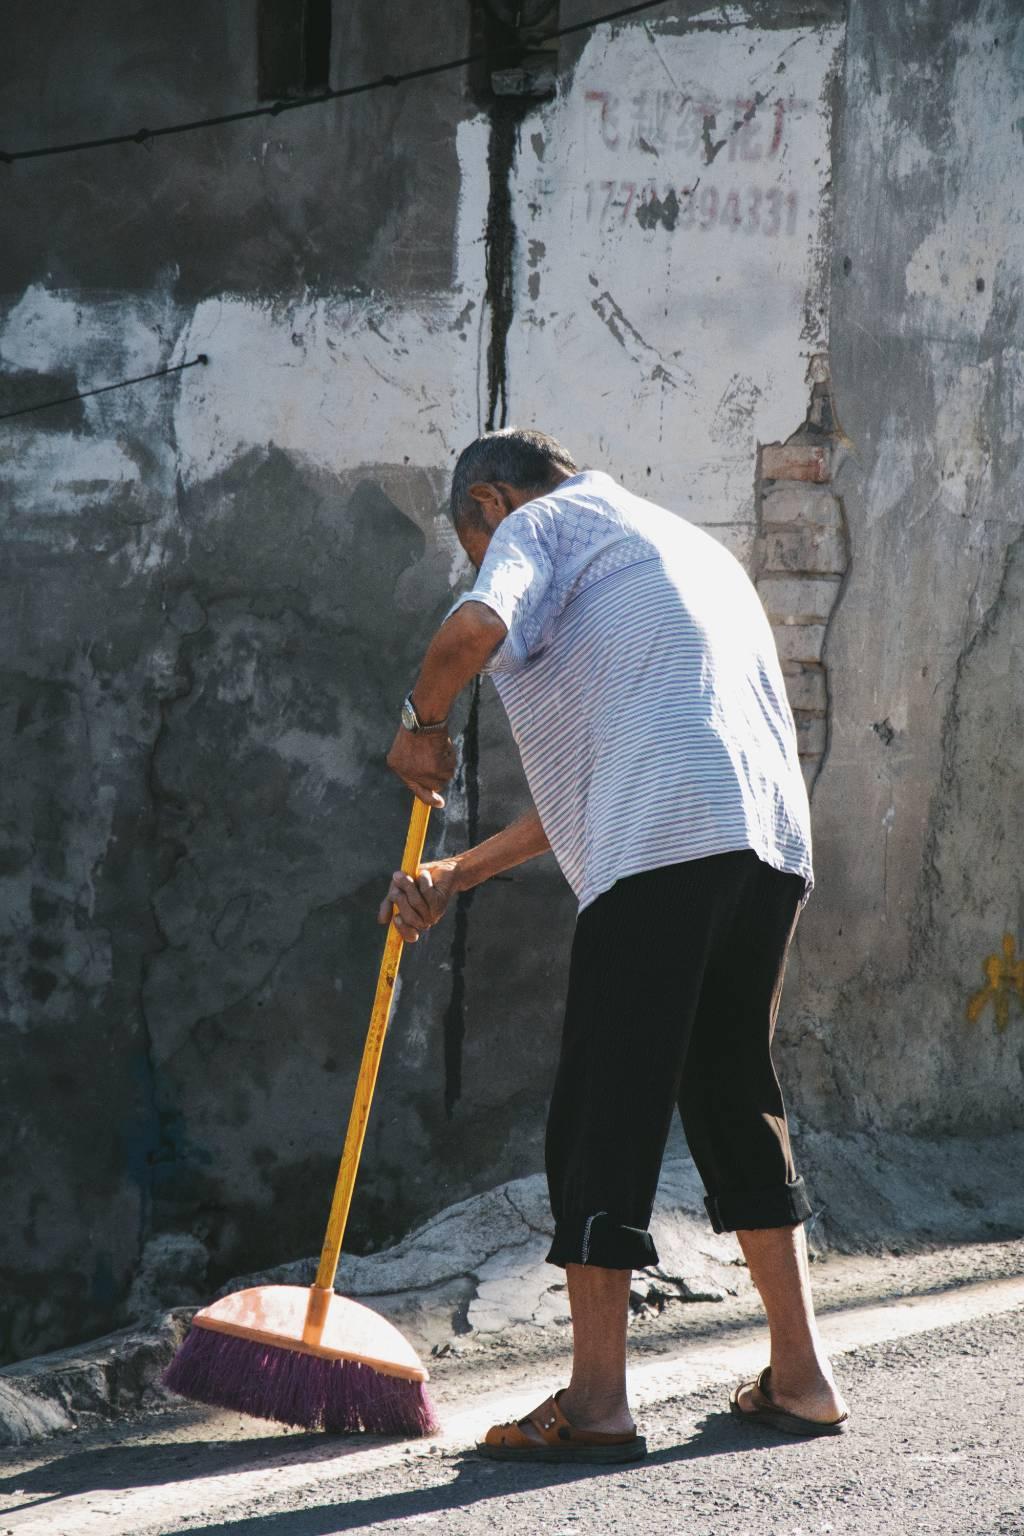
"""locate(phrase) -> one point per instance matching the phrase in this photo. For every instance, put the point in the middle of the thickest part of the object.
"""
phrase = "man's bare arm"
(422, 902)
(460, 649)
(523, 840)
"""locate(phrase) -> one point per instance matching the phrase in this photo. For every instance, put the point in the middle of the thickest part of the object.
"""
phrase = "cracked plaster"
(485, 1257)
(913, 822)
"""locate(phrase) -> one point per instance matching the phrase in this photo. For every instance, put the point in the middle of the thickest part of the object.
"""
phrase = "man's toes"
(749, 1398)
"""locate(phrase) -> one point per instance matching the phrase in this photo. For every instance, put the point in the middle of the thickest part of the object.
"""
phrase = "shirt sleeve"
(516, 582)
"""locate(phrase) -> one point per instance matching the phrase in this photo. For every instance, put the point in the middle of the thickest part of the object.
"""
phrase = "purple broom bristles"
(268, 1381)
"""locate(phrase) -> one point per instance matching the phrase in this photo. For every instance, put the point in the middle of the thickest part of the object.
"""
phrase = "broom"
(304, 1355)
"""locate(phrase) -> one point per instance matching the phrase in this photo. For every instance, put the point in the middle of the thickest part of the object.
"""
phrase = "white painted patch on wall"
(344, 380)
(49, 331)
(58, 474)
(51, 479)
(444, 535)
(673, 208)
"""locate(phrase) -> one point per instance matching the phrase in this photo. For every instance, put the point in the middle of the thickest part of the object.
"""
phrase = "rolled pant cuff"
(599, 1240)
(786, 1205)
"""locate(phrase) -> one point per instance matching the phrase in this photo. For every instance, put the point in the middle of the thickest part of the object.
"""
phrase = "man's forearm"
(460, 649)
(523, 840)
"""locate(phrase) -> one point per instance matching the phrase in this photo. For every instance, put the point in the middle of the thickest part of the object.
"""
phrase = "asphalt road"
(936, 1445)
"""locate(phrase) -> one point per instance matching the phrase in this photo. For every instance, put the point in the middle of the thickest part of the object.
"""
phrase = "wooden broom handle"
(367, 1079)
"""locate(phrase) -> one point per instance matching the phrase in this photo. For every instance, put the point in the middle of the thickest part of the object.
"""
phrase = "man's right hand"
(425, 763)
(418, 904)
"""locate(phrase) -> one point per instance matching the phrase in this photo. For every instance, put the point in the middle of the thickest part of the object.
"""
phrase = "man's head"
(498, 473)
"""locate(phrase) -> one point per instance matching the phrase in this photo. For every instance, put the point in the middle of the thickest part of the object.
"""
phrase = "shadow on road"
(156, 1465)
(476, 1480)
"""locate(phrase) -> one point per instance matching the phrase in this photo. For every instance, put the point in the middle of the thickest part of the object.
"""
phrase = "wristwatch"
(412, 721)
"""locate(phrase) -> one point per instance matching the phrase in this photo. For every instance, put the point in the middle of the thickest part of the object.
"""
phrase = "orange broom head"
(304, 1357)
(314, 1321)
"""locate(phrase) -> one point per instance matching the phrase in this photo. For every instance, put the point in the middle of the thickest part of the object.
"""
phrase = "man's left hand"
(425, 763)
(417, 905)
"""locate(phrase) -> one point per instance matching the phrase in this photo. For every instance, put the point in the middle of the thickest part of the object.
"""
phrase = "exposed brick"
(788, 501)
(798, 599)
(795, 462)
(799, 642)
(805, 686)
(810, 733)
(802, 547)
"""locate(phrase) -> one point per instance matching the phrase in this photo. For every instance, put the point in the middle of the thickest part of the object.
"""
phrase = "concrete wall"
(729, 231)
(918, 818)
(215, 592)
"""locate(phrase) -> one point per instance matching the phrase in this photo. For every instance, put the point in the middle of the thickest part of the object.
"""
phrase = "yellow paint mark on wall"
(1004, 975)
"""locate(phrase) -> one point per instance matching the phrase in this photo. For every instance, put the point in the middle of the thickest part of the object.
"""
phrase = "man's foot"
(809, 1408)
(547, 1434)
(588, 1417)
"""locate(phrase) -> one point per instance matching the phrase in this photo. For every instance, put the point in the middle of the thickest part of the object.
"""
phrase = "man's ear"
(493, 503)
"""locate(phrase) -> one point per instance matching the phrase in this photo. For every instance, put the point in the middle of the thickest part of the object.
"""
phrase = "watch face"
(409, 719)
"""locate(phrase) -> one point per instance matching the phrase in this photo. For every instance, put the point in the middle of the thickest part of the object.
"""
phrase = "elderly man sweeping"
(642, 685)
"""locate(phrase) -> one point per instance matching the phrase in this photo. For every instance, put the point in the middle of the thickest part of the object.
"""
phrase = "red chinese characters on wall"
(746, 134)
(660, 122)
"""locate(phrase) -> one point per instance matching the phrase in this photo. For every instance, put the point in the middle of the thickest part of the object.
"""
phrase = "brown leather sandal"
(559, 1440)
(778, 1418)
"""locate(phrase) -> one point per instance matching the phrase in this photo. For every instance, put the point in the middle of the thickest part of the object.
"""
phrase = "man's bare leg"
(596, 1395)
(801, 1379)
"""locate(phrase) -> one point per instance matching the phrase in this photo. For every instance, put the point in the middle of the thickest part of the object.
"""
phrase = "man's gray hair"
(531, 461)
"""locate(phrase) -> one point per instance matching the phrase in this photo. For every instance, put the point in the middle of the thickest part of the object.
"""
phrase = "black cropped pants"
(674, 987)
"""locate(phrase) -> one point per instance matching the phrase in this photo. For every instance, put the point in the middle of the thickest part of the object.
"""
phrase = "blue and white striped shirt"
(643, 688)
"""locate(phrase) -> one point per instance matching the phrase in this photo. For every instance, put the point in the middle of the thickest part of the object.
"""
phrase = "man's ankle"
(588, 1406)
(813, 1379)
(802, 1375)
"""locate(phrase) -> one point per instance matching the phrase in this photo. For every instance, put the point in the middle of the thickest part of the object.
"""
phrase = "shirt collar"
(582, 478)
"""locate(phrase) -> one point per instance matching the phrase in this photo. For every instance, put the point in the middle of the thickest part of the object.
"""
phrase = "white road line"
(158, 1508)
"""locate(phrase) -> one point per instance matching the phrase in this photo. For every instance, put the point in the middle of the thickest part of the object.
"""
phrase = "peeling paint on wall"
(674, 206)
(330, 379)
(917, 818)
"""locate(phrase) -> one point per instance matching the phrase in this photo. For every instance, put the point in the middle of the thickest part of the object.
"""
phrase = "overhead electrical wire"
(275, 109)
(160, 373)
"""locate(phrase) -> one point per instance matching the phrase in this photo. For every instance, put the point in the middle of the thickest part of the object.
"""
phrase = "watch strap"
(419, 727)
